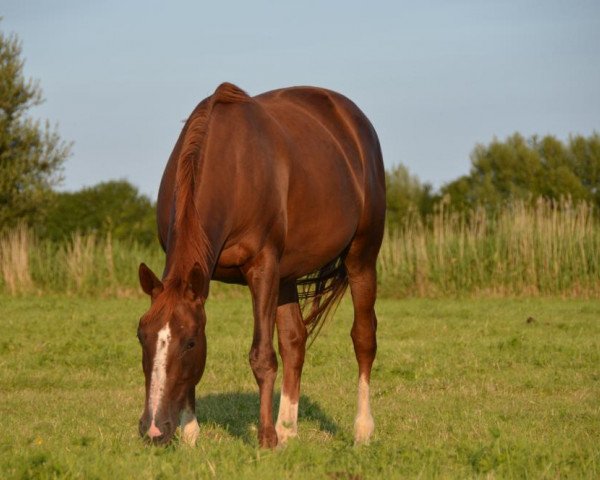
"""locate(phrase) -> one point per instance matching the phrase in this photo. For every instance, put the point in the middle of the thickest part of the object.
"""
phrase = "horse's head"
(173, 342)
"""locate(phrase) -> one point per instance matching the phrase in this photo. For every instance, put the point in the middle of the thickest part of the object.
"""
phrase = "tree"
(585, 163)
(528, 169)
(31, 154)
(114, 207)
(405, 195)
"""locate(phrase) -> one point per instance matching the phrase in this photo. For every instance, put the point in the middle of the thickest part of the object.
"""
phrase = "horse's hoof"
(363, 429)
(285, 432)
(267, 438)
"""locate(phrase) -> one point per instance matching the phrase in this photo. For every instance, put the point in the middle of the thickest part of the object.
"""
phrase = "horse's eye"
(190, 344)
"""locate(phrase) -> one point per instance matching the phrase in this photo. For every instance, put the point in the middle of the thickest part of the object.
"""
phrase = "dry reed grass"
(546, 248)
(83, 264)
(14, 260)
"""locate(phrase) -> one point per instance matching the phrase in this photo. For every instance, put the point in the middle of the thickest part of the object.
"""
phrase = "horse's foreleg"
(292, 335)
(262, 275)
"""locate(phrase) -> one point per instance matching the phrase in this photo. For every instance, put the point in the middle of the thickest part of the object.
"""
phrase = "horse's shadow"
(237, 412)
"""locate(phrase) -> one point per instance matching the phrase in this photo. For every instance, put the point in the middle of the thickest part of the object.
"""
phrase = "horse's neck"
(187, 248)
(203, 226)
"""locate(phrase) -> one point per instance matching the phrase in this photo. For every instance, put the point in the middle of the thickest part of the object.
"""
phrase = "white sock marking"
(159, 370)
(363, 425)
(189, 427)
(287, 419)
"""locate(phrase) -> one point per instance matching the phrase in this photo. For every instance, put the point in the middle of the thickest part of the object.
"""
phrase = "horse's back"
(327, 110)
(337, 181)
(335, 120)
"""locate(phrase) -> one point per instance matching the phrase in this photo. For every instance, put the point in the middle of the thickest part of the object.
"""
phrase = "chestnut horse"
(283, 192)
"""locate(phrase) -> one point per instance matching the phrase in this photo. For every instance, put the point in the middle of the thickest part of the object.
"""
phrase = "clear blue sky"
(434, 77)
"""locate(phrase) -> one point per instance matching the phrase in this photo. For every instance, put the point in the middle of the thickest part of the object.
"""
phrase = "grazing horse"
(283, 192)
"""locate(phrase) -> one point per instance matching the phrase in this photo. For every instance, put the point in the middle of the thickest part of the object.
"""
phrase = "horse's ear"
(151, 285)
(195, 282)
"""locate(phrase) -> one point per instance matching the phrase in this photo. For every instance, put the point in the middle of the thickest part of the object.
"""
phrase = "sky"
(434, 77)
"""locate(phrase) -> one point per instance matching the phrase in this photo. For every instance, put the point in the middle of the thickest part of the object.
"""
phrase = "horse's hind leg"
(292, 335)
(362, 277)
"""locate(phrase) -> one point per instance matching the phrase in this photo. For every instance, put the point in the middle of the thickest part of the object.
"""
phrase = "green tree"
(31, 154)
(558, 177)
(114, 207)
(527, 169)
(584, 155)
(405, 195)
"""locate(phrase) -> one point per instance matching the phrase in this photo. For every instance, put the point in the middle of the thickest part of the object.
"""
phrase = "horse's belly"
(317, 240)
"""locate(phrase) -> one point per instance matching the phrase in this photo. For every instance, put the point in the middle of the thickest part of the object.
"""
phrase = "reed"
(14, 260)
(84, 264)
(545, 248)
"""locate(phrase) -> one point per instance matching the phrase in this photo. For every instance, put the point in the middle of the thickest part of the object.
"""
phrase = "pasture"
(494, 388)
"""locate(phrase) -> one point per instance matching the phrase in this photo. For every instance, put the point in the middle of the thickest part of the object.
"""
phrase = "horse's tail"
(320, 293)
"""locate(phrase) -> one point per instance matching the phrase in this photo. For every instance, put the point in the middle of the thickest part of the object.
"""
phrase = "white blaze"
(159, 370)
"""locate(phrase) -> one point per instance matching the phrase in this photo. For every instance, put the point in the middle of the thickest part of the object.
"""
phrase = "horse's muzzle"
(157, 434)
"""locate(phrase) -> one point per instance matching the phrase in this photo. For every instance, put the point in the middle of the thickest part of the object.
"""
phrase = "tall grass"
(549, 248)
(84, 264)
(14, 260)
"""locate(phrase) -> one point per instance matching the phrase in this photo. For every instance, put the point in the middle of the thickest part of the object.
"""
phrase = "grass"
(461, 388)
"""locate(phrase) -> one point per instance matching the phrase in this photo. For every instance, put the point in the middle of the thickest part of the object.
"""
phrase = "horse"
(283, 192)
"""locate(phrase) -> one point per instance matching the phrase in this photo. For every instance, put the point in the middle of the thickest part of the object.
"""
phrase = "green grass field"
(461, 388)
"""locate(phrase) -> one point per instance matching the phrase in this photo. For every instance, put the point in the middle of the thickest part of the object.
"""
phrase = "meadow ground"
(461, 388)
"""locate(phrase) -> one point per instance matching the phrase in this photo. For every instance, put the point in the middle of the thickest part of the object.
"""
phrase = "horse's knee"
(263, 363)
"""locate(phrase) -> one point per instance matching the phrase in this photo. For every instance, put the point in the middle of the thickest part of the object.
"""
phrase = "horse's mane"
(191, 243)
